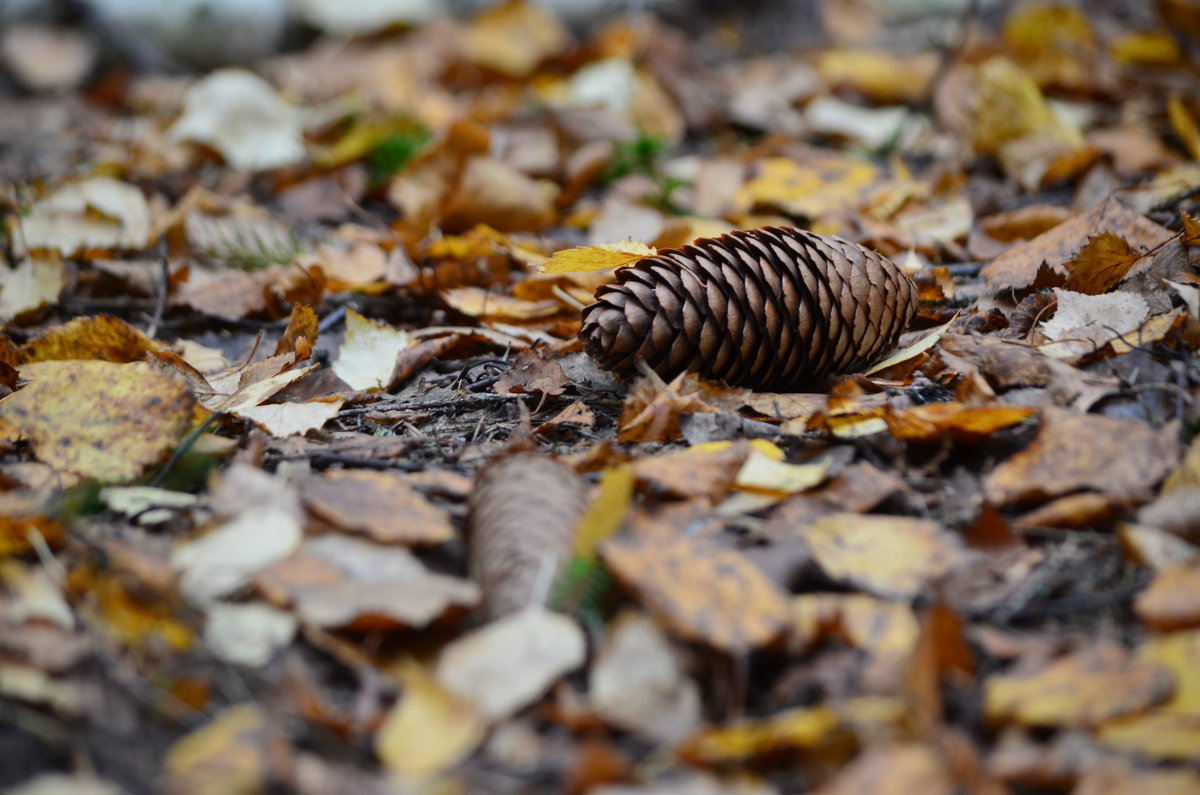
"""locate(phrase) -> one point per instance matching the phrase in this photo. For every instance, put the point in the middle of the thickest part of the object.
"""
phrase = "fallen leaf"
(576, 413)
(893, 769)
(368, 353)
(652, 408)
(1083, 324)
(1081, 689)
(1100, 264)
(380, 505)
(302, 325)
(511, 662)
(1053, 43)
(282, 420)
(34, 283)
(882, 76)
(429, 729)
(638, 682)
(890, 556)
(535, 371)
(696, 472)
(513, 37)
(240, 115)
(594, 258)
(247, 634)
(1172, 601)
(128, 420)
(338, 582)
(808, 190)
(935, 421)
(1072, 452)
(101, 337)
(1184, 124)
(230, 753)
(817, 731)
(478, 302)
(1019, 266)
(494, 193)
(97, 213)
(700, 591)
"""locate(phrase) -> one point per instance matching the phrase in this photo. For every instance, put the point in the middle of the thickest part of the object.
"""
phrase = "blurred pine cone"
(522, 517)
(769, 309)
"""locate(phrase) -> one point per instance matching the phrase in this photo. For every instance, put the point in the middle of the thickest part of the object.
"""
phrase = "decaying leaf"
(1085, 688)
(700, 591)
(231, 753)
(534, 371)
(1072, 452)
(380, 505)
(339, 582)
(97, 213)
(510, 663)
(892, 556)
(429, 729)
(368, 354)
(102, 420)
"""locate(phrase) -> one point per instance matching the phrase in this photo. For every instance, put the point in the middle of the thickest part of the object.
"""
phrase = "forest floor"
(293, 405)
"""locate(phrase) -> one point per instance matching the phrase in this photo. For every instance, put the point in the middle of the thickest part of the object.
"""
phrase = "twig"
(470, 401)
(164, 287)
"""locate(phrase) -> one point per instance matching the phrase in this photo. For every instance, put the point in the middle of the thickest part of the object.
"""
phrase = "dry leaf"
(247, 634)
(700, 471)
(380, 505)
(935, 421)
(101, 337)
(237, 113)
(1083, 324)
(808, 190)
(101, 420)
(429, 729)
(891, 556)
(1081, 689)
(638, 682)
(35, 283)
(97, 213)
(515, 36)
(368, 353)
(302, 325)
(510, 663)
(337, 582)
(701, 591)
(282, 420)
(894, 769)
(1172, 601)
(817, 731)
(1019, 266)
(1117, 457)
(535, 371)
(651, 411)
(594, 258)
(230, 753)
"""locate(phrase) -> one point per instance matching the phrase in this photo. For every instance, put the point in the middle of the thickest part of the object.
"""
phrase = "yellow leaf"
(368, 353)
(807, 189)
(1141, 48)
(800, 729)
(1054, 43)
(764, 474)
(1081, 689)
(429, 729)
(229, 754)
(891, 556)
(595, 258)
(606, 513)
(1009, 105)
(882, 76)
(99, 419)
(908, 352)
(1184, 125)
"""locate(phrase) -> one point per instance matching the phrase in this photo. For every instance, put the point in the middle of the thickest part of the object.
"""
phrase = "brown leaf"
(535, 371)
(414, 358)
(1072, 452)
(897, 769)
(1018, 267)
(233, 752)
(651, 411)
(1081, 689)
(701, 471)
(337, 582)
(934, 421)
(1173, 599)
(1100, 264)
(102, 420)
(701, 591)
(380, 505)
(302, 325)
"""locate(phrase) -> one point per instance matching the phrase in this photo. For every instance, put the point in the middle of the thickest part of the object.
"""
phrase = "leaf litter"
(307, 484)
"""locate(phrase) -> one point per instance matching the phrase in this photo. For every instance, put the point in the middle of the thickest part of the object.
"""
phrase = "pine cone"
(522, 517)
(770, 309)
